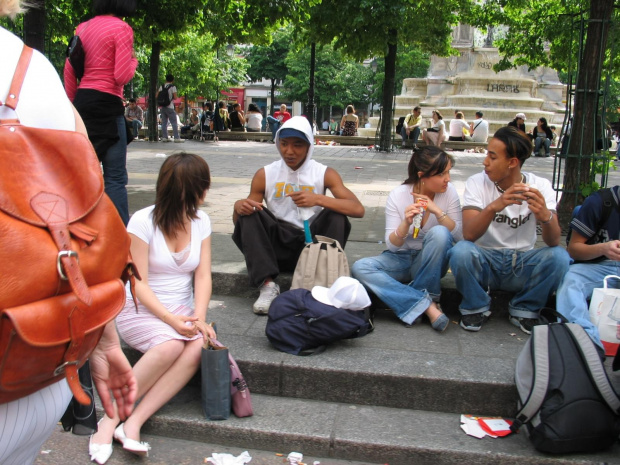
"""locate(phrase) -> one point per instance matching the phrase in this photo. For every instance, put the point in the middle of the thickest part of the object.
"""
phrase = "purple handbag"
(241, 401)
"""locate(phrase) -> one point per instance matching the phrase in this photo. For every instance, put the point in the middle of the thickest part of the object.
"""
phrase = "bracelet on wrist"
(549, 220)
(398, 235)
(441, 217)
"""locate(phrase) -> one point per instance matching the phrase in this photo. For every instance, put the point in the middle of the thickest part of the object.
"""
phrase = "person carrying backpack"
(595, 246)
(165, 100)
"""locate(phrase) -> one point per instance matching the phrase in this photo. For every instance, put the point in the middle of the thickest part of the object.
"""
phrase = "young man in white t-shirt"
(501, 207)
(478, 129)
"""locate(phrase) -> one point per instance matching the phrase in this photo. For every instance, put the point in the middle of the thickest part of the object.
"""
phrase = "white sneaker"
(268, 292)
(165, 139)
(179, 141)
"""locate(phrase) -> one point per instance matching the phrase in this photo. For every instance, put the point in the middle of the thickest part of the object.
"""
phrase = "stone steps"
(353, 432)
(393, 396)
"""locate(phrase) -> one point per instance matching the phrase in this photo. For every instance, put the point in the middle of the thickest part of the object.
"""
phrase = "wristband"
(398, 235)
(549, 220)
(441, 217)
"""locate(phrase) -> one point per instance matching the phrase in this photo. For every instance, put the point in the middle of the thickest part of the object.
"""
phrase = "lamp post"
(373, 66)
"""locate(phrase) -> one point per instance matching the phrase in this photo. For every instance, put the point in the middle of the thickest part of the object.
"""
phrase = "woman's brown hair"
(430, 160)
(182, 182)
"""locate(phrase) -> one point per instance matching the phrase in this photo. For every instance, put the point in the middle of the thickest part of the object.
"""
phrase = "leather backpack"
(64, 252)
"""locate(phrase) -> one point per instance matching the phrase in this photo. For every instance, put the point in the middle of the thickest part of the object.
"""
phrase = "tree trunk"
(34, 25)
(273, 97)
(585, 129)
(153, 86)
(385, 138)
(310, 109)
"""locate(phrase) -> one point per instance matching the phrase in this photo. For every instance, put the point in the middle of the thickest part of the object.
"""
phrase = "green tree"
(535, 26)
(339, 80)
(268, 61)
(377, 28)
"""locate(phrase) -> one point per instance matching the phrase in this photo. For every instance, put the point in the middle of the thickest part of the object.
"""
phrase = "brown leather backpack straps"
(52, 209)
(18, 78)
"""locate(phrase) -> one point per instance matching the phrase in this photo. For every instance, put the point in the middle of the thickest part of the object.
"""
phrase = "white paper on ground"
(229, 459)
(473, 428)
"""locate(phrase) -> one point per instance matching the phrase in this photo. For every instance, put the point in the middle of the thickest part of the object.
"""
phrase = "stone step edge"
(410, 391)
(352, 432)
(233, 283)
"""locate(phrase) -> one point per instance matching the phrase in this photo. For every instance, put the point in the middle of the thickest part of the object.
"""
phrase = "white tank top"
(280, 180)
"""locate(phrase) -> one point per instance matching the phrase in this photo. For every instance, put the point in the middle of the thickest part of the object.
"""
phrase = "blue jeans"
(539, 142)
(274, 124)
(169, 114)
(136, 125)
(408, 281)
(413, 134)
(576, 290)
(535, 276)
(115, 171)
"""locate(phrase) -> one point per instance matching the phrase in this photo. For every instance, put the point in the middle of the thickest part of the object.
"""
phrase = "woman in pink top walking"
(110, 63)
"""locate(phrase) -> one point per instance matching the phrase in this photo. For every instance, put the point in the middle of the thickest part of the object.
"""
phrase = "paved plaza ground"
(437, 377)
(368, 173)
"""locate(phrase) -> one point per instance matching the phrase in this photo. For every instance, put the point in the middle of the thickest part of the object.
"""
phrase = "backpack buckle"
(61, 254)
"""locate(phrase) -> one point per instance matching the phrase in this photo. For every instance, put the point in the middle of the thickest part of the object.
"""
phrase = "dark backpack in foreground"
(565, 398)
(163, 97)
(297, 322)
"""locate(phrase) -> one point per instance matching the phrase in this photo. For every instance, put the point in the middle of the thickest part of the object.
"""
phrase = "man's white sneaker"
(268, 292)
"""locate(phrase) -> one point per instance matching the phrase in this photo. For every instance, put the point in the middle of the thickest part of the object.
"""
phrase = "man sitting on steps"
(501, 207)
(478, 129)
(411, 126)
(271, 236)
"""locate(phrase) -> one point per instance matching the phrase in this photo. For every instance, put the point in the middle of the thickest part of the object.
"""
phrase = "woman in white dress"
(171, 246)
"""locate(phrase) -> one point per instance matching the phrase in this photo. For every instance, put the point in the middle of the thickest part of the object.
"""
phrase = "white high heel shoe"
(133, 446)
(99, 453)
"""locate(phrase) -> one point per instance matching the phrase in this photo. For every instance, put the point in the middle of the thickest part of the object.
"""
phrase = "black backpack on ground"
(163, 97)
(565, 398)
(298, 323)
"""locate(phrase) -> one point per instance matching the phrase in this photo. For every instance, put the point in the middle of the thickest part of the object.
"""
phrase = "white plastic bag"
(605, 315)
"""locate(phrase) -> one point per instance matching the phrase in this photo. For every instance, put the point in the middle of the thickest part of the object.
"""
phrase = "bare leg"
(151, 366)
(165, 387)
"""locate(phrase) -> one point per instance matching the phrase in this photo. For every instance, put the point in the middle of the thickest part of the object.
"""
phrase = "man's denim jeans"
(136, 125)
(419, 270)
(274, 124)
(534, 276)
(414, 134)
(576, 290)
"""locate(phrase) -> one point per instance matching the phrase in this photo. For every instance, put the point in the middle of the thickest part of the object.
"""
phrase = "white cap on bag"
(345, 293)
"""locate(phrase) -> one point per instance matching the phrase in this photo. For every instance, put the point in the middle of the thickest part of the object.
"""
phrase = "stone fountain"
(467, 82)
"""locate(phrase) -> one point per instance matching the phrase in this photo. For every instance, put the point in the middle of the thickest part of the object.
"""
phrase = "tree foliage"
(339, 81)
(267, 61)
(552, 33)
(377, 28)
